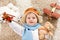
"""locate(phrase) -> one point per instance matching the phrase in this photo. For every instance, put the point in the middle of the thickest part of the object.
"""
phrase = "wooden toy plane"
(52, 12)
(55, 5)
(7, 17)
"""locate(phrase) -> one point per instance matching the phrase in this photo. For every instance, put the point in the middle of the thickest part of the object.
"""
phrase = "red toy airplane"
(55, 5)
(52, 13)
(7, 17)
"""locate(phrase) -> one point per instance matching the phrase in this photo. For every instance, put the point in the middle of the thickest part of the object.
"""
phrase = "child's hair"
(28, 11)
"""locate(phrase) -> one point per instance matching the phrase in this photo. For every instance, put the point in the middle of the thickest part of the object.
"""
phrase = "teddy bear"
(46, 31)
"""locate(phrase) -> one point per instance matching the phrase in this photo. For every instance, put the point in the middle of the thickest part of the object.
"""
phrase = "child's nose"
(31, 19)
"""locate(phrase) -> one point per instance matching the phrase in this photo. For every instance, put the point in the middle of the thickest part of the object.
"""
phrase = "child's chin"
(32, 24)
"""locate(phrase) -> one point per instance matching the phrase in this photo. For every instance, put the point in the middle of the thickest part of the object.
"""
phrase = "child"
(30, 25)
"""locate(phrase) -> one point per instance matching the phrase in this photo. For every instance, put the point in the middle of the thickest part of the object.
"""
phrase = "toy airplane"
(7, 17)
(11, 10)
(55, 5)
(52, 12)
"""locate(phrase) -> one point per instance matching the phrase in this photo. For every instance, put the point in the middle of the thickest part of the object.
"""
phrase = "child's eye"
(28, 17)
(33, 17)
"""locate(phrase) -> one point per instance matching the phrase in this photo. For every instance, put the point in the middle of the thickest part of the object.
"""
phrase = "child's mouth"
(31, 22)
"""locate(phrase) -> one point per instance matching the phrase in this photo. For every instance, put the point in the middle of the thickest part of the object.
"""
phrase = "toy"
(52, 13)
(42, 32)
(46, 31)
(7, 17)
(55, 5)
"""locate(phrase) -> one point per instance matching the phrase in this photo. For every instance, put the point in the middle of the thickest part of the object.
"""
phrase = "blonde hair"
(34, 11)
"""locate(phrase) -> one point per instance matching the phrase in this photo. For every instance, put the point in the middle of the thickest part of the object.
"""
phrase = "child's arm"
(16, 27)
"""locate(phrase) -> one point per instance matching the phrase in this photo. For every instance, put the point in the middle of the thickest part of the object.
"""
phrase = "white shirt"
(18, 29)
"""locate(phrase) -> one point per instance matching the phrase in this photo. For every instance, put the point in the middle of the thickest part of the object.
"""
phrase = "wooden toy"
(52, 13)
(7, 17)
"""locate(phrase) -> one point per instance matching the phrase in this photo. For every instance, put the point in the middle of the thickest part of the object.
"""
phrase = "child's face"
(31, 19)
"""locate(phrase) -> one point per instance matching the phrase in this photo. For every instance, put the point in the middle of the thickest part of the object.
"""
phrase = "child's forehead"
(31, 13)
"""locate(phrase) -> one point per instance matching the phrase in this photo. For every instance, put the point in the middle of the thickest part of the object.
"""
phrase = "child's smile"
(31, 22)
